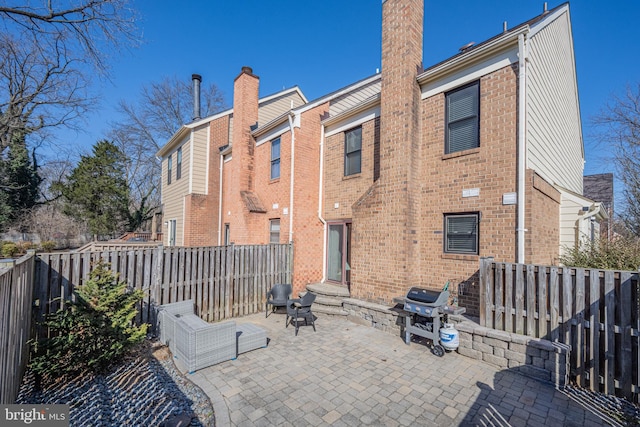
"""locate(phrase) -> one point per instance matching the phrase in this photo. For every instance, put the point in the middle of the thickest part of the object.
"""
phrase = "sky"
(322, 46)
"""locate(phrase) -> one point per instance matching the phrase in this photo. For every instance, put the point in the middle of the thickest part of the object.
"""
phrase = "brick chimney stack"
(386, 221)
(245, 115)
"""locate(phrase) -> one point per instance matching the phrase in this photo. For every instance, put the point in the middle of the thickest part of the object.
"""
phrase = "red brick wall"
(308, 232)
(253, 227)
(441, 179)
(241, 167)
(201, 210)
(345, 190)
(385, 250)
(491, 169)
(542, 221)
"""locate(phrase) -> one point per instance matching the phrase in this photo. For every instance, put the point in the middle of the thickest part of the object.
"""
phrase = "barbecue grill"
(425, 312)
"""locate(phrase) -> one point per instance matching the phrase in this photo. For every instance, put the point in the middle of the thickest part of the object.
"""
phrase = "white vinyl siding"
(199, 159)
(354, 98)
(173, 194)
(273, 108)
(554, 134)
(573, 224)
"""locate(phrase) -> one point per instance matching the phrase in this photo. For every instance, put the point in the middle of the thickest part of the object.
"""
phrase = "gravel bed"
(615, 411)
(145, 390)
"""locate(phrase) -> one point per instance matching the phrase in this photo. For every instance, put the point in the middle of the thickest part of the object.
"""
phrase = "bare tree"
(88, 28)
(43, 89)
(48, 51)
(161, 109)
(619, 125)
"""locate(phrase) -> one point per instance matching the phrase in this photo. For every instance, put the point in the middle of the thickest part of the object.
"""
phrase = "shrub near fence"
(596, 312)
(16, 285)
(225, 281)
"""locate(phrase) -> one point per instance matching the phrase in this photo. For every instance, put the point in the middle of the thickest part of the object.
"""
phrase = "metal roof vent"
(466, 46)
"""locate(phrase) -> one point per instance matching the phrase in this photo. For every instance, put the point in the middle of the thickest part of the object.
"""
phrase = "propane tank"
(449, 337)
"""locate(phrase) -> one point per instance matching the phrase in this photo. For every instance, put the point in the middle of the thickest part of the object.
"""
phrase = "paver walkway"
(348, 375)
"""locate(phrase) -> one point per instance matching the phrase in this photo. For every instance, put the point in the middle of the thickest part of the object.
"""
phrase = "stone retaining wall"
(534, 357)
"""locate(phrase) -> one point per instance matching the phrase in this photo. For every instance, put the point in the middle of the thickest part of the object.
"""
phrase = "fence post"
(485, 290)
(155, 284)
(290, 264)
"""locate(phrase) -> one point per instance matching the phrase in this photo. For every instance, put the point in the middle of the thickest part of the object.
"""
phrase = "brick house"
(405, 178)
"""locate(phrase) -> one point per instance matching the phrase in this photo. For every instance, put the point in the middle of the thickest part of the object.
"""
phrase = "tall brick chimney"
(245, 115)
(386, 220)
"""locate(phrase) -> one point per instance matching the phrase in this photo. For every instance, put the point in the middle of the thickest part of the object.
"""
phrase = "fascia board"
(336, 94)
(480, 67)
(176, 139)
(482, 52)
(352, 121)
(275, 132)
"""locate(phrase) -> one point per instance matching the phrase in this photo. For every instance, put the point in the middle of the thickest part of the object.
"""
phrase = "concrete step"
(325, 300)
(328, 298)
(330, 301)
(328, 289)
(330, 310)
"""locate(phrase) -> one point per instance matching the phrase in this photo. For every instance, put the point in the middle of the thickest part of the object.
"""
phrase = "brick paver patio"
(347, 374)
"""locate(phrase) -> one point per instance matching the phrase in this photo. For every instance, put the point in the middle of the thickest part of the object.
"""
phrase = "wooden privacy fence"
(224, 281)
(16, 285)
(595, 311)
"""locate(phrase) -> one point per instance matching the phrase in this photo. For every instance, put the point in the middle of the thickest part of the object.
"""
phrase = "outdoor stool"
(250, 337)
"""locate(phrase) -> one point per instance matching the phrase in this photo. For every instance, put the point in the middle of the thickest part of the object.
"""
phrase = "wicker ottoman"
(250, 337)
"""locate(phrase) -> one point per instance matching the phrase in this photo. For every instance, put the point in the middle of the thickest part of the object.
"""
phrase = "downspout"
(293, 140)
(324, 223)
(522, 154)
(220, 203)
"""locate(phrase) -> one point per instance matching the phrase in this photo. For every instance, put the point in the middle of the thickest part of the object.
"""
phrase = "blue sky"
(322, 46)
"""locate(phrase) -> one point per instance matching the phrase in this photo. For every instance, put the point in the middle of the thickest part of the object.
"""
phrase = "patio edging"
(534, 357)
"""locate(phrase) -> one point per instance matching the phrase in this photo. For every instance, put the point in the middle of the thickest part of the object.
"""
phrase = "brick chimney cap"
(196, 77)
(246, 70)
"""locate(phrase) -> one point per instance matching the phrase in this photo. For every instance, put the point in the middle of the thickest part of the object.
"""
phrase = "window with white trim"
(462, 118)
(352, 151)
(179, 164)
(275, 158)
(169, 169)
(461, 233)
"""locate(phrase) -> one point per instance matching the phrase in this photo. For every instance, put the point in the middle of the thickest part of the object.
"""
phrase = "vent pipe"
(544, 8)
(504, 27)
(196, 79)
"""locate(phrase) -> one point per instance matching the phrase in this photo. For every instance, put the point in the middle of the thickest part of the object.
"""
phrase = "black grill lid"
(427, 296)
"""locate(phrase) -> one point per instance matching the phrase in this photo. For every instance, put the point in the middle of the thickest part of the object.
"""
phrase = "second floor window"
(275, 158)
(169, 169)
(462, 118)
(179, 164)
(352, 151)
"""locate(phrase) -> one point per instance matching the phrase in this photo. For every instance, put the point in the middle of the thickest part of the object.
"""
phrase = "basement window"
(274, 231)
(462, 118)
